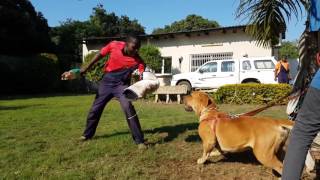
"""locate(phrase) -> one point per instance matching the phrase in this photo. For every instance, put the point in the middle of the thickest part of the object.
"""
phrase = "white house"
(186, 51)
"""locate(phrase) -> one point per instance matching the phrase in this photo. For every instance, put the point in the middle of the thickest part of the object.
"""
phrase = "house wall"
(183, 46)
(180, 45)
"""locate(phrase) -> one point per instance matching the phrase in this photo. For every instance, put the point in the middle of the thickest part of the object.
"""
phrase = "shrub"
(95, 73)
(152, 57)
(250, 93)
(29, 74)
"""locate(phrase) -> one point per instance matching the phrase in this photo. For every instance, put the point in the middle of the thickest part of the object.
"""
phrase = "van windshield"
(209, 67)
(263, 64)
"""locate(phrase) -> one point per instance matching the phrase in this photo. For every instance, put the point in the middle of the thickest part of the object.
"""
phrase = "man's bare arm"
(95, 59)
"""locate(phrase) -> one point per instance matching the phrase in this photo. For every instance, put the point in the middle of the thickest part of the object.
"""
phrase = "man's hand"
(67, 76)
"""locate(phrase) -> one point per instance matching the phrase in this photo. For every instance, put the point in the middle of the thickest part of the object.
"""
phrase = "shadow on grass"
(193, 138)
(173, 131)
(246, 157)
(19, 107)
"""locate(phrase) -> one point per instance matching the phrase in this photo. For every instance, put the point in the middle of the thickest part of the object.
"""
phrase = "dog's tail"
(286, 123)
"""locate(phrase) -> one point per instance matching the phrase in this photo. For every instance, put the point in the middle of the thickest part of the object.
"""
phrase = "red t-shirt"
(117, 60)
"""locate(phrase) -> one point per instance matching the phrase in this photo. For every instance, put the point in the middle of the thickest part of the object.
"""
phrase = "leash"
(256, 111)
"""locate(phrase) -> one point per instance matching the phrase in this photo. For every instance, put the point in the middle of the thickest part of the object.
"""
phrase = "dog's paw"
(201, 160)
(215, 153)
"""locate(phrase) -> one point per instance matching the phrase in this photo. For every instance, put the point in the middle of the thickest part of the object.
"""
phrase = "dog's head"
(197, 101)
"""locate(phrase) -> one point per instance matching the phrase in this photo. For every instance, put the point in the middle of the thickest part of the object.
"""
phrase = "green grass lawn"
(39, 140)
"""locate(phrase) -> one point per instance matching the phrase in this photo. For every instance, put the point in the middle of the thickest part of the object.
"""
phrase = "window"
(246, 65)
(263, 64)
(167, 64)
(198, 60)
(227, 66)
(210, 67)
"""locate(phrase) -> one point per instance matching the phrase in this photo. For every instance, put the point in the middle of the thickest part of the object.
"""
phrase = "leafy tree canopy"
(151, 56)
(22, 30)
(191, 22)
(68, 36)
(289, 49)
(267, 18)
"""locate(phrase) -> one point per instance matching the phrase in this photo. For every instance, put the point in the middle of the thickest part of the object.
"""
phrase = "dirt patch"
(238, 166)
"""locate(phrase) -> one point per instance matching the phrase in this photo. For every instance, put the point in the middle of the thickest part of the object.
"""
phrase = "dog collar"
(206, 110)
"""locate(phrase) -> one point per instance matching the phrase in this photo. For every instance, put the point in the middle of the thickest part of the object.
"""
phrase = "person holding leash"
(307, 125)
(123, 60)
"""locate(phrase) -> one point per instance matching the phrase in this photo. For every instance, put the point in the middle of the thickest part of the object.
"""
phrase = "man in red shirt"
(123, 60)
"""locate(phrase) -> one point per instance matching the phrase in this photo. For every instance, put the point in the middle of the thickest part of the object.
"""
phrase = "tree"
(151, 56)
(289, 49)
(22, 30)
(96, 72)
(191, 22)
(266, 20)
(109, 24)
(69, 35)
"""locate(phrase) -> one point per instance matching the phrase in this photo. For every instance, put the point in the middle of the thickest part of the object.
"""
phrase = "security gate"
(198, 59)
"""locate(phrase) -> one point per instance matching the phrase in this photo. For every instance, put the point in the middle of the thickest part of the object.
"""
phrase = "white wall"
(182, 46)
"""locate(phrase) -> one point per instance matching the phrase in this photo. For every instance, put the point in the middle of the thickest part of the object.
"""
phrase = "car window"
(227, 66)
(263, 64)
(246, 65)
(209, 67)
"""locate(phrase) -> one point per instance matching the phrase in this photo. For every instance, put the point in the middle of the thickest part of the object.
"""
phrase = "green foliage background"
(95, 73)
(191, 22)
(251, 93)
(32, 74)
(151, 56)
(24, 31)
(289, 49)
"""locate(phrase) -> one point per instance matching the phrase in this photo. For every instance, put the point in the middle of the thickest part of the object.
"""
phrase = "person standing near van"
(282, 71)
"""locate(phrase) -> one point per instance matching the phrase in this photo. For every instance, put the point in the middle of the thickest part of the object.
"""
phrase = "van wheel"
(185, 83)
(251, 81)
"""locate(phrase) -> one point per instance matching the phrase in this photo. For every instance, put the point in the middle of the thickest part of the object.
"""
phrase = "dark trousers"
(306, 127)
(110, 87)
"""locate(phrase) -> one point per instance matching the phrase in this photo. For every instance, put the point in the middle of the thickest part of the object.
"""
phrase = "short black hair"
(133, 38)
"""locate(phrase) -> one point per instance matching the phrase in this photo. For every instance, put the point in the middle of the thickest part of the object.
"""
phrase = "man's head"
(285, 58)
(132, 45)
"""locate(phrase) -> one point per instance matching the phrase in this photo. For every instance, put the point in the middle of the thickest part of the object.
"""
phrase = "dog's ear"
(211, 102)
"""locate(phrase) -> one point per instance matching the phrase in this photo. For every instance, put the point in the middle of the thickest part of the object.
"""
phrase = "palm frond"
(267, 18)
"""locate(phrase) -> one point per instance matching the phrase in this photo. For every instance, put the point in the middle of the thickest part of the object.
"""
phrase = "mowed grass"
(39, 140)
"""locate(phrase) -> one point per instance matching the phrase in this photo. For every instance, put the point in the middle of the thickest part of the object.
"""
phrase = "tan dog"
(236, 134)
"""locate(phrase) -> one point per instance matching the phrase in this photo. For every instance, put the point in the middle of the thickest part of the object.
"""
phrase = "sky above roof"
(154, 14)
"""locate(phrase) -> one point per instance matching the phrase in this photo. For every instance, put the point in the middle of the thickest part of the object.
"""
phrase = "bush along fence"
(251, 93)
(38, 73)
(29, 74)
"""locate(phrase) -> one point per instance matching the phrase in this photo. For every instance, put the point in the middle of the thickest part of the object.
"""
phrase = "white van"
(214, 74)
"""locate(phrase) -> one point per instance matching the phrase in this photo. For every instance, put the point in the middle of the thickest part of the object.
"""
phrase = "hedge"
(95, 73)
(29, 74)
(250, 93)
